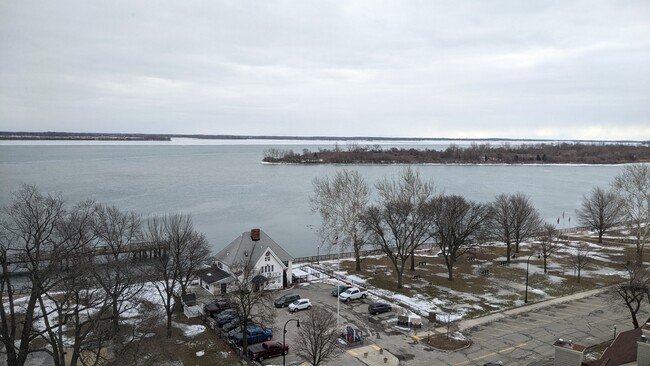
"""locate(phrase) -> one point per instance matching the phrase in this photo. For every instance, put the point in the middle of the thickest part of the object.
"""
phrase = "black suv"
(285, 300)
(378, 307)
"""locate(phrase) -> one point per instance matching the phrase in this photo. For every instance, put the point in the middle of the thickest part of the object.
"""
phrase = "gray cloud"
(548, 69)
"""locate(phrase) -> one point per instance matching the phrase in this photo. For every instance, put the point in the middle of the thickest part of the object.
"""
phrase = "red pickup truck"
(259, 352)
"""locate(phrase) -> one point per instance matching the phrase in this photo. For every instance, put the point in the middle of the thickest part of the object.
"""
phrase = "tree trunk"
(544, 264)
(450, 270)
(400, 276)
(115, 318)
(357, 257)
(508, 250)
(579, 274)
(516, 247)
(169, 324)
(600, 236)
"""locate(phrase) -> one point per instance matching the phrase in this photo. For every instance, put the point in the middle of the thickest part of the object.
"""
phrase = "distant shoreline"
(475, 154)
(81, 136)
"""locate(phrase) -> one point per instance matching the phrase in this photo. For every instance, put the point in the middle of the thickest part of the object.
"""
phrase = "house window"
(219, 265)
(266, 259)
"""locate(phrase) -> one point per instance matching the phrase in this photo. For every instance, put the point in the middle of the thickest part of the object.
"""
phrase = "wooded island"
(543, 153)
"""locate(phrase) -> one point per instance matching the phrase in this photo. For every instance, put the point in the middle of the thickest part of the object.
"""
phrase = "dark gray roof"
(212, 274)
(245, 249)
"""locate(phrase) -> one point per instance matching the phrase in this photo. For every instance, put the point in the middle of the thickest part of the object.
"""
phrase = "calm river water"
(228, 191)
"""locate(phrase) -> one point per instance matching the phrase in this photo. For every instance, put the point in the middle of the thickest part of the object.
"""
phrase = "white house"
(267, 257)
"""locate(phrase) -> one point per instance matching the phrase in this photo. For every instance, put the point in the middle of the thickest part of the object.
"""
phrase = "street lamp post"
(284, 332)
(527, 265)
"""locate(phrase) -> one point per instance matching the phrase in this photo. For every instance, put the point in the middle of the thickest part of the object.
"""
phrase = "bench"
(504, 263)
(471, 258)
(417, 277)
(422, 263)
(485, 272)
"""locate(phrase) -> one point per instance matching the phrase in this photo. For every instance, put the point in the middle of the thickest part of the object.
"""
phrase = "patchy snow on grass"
(355, 278)
(189, 330)
(200, 353)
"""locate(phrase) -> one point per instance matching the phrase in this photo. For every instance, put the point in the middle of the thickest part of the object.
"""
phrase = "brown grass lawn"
(472, 294)
(158, 349)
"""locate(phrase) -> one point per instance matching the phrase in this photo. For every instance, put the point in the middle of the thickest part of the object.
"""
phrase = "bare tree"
(549, 242)
(175, 233)
(75, 296)
(513, 220)
(526, 219)
(32, 242)
(253, 303)
(116, 231)
(458, 225)
(196, 253)
(341, 201)
(600, 211)
(635, 289)
(401, 221)
(580, 258)
(318, 335)
(632, 186)
(501, 222)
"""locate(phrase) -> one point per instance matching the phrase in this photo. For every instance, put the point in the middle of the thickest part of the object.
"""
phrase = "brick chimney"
(643, 346)
(255, 234)
(568, 353)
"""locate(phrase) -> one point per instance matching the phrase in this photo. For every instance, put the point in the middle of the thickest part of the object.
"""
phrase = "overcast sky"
(516, 69)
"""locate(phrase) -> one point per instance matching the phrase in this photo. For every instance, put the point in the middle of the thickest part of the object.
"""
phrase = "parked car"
(216, 306)
(259, 352)
(233, 324)
(285, 300)
(254, 335)
(339, 290)
(379, 307)
(353, 293)
(300, 304)
(226, 317)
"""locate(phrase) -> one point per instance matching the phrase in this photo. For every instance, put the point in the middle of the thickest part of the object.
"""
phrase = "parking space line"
(512, 348)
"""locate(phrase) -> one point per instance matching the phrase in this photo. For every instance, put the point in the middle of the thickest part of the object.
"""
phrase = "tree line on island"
(405, 213)
(485, 153)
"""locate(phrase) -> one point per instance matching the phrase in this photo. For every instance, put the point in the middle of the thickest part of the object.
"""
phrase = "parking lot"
(354, 313)
(522, 339)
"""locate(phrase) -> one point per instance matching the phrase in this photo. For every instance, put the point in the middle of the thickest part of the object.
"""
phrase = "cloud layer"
(531, 69)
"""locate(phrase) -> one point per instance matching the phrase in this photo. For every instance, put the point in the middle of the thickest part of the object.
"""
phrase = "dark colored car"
(285, 300)
(216, 306)
(340, 289)
(225, 317)
(379, 307)
(231, 325)
(254, 335)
